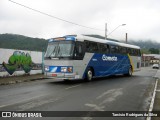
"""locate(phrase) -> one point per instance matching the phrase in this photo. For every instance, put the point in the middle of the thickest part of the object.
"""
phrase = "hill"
(13, 41)
(147, 44)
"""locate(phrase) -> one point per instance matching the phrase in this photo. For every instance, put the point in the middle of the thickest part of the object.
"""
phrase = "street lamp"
(105, 31)
(112, 30)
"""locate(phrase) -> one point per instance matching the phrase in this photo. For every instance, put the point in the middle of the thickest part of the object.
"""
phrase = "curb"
(20, 79)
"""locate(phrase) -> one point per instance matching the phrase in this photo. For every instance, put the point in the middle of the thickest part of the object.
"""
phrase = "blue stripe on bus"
(108, 64)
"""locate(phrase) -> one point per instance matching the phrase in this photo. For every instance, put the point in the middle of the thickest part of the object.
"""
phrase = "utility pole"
(105, 31)
(126, 37)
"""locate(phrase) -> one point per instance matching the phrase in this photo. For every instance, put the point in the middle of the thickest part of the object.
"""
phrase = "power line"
(54, 16)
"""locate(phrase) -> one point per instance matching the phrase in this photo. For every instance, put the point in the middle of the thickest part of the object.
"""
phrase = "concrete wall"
(19, 62)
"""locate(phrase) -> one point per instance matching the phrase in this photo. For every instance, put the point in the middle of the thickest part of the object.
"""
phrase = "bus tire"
(89, 74)
(130, 71)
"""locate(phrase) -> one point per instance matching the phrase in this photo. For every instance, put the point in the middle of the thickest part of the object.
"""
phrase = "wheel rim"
(130, 71)
(89, 75)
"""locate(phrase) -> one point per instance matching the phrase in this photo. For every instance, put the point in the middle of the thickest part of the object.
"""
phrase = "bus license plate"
(54, 75)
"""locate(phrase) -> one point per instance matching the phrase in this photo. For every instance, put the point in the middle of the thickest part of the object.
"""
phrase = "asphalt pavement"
(111, 93)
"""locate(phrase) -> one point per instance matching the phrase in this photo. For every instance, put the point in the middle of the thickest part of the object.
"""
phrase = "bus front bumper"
(62, 75)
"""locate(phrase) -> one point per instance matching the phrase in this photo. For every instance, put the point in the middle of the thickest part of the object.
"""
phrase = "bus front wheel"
(89, 74)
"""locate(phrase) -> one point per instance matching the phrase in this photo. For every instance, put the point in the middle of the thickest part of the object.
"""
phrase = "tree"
(154, 51)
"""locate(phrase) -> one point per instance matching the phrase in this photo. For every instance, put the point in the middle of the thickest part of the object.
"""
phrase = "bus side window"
(91, 46)
(122, 50)
(114, 49)
(129, 51)
(103, 48)
(134, 52)
(139, 53)
(79, 50)
(87, 46)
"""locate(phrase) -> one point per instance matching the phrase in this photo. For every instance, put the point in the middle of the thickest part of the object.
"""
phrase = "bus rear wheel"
(129, 72)
(89, 74)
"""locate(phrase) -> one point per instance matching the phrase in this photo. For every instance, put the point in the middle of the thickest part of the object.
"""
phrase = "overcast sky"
(142, 18)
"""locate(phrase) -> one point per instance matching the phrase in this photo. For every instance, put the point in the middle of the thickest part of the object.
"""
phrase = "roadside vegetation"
(20, 42)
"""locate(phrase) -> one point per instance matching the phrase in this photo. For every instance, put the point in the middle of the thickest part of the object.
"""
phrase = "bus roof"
(83, 38)
(109, 42)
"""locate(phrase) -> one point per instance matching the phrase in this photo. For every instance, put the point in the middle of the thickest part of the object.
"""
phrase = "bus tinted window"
(133, 52)
(91, 47)
(103, 48)
(79, 50)
(114, 49)
(137, 52)
(129, 51)
(123, 50)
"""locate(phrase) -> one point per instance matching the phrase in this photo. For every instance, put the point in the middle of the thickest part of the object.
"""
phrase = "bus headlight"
(46, 68)
(63, 69)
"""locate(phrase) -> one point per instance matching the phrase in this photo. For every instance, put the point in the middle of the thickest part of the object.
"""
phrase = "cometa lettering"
(109, 58)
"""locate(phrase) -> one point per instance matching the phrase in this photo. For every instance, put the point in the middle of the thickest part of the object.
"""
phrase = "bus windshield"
(60, 49)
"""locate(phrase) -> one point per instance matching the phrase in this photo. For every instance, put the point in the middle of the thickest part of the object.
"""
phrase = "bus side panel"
(81, 65)
(109, 64)
(136, 60)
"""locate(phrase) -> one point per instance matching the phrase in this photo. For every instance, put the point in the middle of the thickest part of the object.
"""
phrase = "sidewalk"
(18, 79)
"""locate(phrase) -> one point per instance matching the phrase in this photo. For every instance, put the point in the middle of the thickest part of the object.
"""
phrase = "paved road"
(116, 93)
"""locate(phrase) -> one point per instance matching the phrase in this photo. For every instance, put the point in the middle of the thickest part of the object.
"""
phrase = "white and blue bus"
(83, 57)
